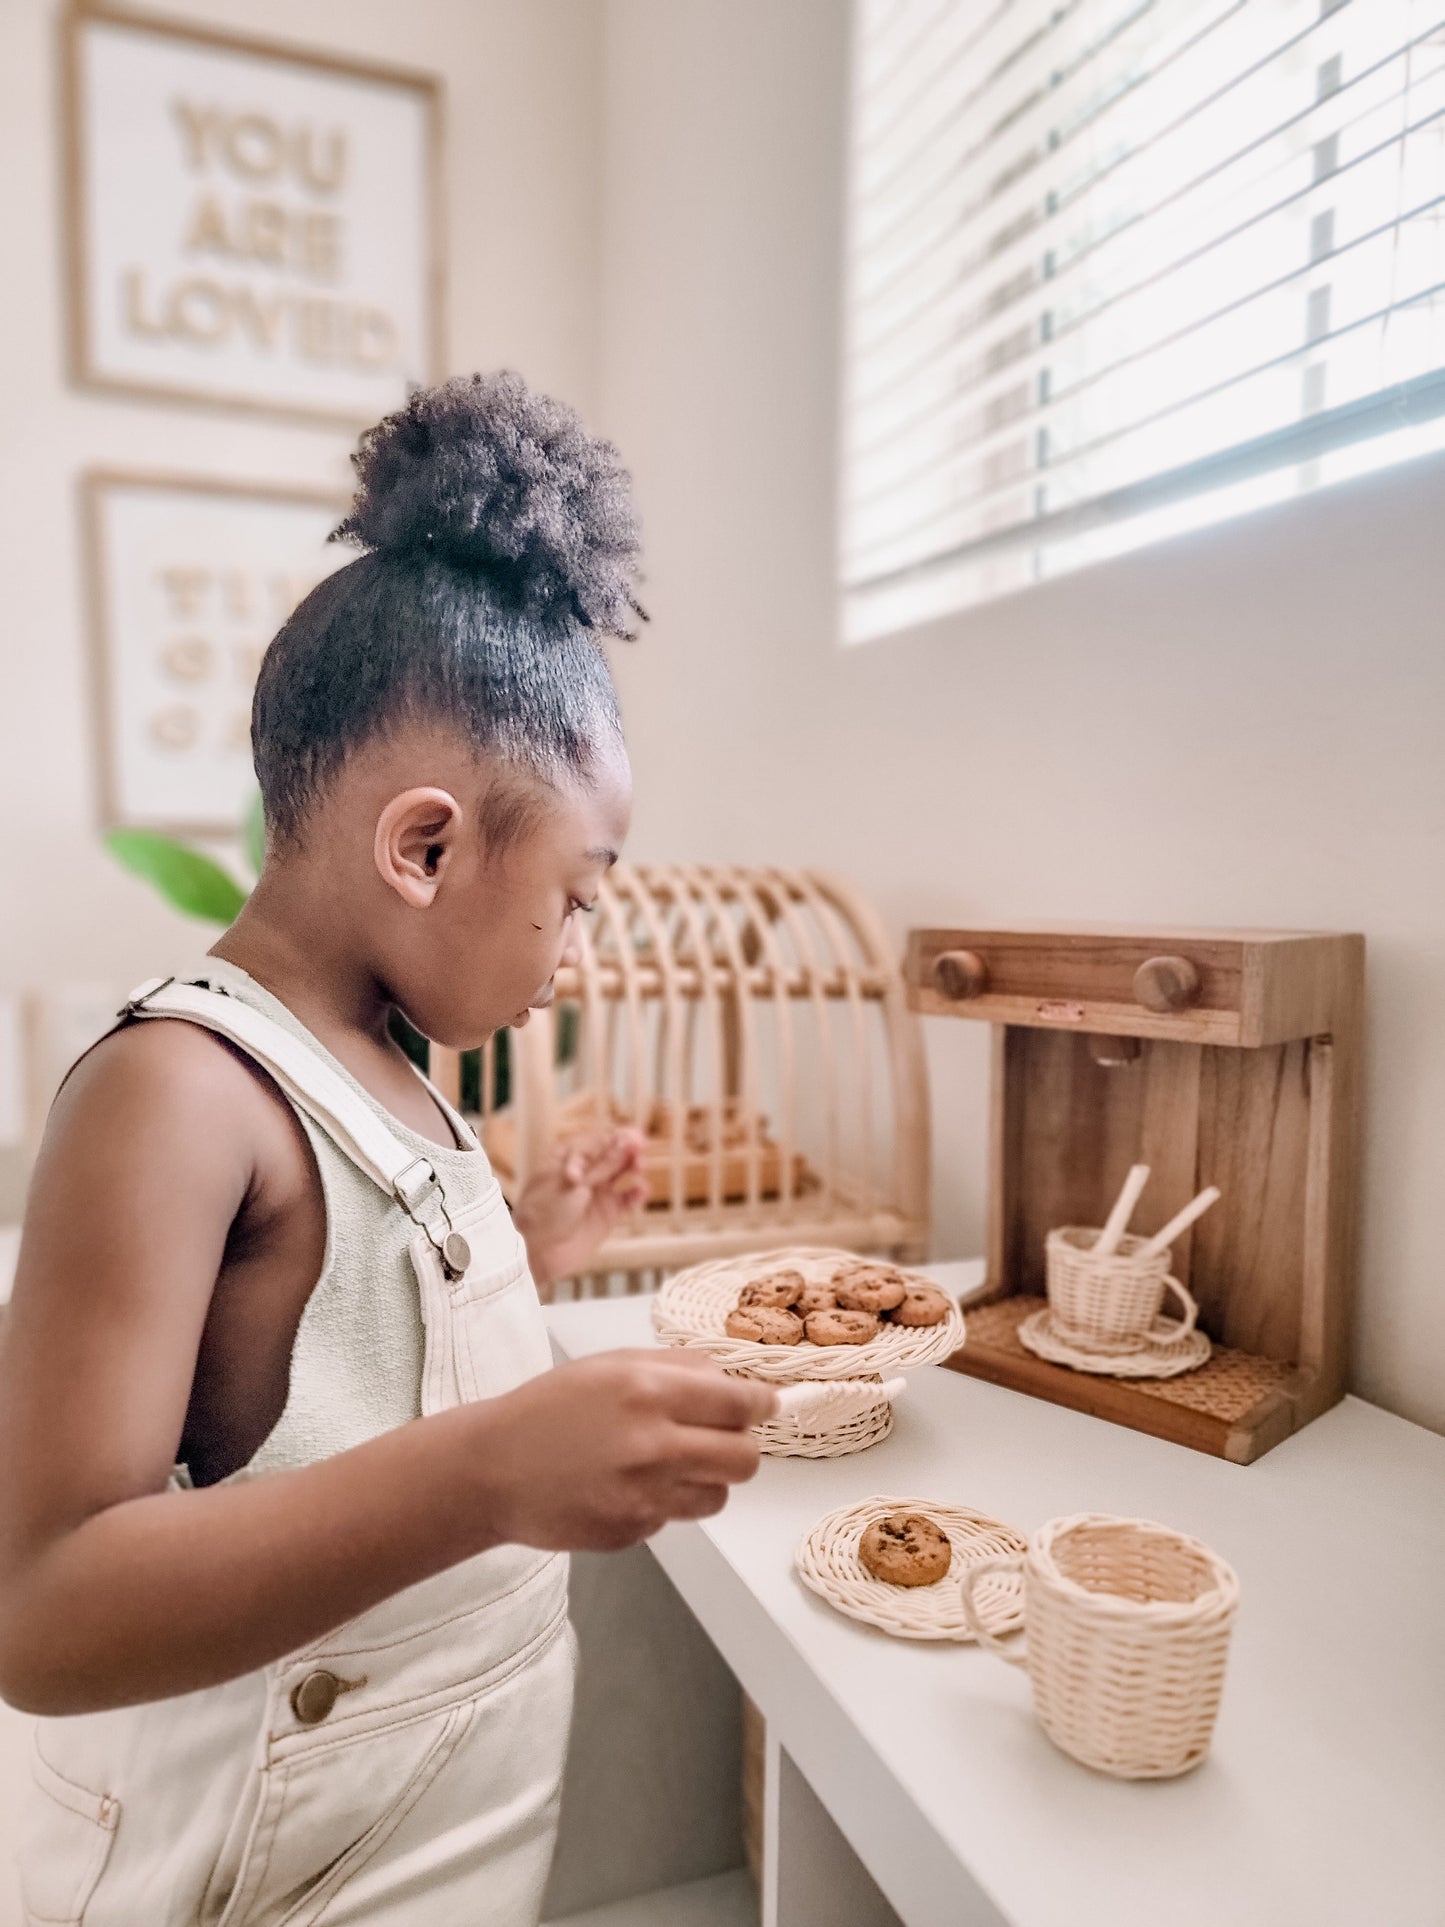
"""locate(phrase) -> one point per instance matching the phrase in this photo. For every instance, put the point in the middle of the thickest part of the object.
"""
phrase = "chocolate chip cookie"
(841, 1327)
(778, 1289)
(766, 1324)
(879, 1288)
(816, 1298)
(905, 1549)
(922, 1305)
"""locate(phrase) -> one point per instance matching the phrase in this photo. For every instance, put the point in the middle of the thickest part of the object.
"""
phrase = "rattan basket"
(827, 1562)
(1128, 1627)
(692, 1307)
(1110, 1305)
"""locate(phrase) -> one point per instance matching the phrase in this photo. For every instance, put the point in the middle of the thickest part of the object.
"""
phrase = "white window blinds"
(1119, 267)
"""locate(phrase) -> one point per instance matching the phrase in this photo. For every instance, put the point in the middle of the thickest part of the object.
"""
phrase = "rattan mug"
(1126, 1631)
(1110, 1304)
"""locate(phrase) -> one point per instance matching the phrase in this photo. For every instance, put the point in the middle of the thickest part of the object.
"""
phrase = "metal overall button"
(313, 1697)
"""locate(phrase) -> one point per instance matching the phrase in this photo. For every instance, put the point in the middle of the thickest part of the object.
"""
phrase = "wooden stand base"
(1235, 1407)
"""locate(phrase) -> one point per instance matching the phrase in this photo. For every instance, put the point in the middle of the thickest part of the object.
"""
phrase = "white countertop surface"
(1322, 1803)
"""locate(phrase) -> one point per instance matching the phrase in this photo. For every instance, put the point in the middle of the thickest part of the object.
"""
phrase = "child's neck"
(305, 960)
(311, 962)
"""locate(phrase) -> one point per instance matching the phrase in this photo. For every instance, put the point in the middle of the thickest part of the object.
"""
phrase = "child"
(287, 1479)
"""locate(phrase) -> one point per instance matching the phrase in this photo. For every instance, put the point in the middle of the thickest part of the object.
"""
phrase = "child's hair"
(502, 548)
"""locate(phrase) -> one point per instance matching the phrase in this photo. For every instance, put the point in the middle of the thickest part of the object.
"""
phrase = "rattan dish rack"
(755, 1024)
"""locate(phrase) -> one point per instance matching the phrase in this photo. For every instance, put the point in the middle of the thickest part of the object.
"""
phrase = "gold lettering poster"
(249, 227)
(189, 581)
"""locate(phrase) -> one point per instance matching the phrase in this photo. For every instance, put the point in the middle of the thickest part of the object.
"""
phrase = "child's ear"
(416, 837)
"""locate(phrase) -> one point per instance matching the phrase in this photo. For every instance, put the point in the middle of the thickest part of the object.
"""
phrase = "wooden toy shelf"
(1225, 1057)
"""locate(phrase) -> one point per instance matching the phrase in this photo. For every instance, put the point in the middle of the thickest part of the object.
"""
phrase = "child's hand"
(568, 1209)
(599, 1454)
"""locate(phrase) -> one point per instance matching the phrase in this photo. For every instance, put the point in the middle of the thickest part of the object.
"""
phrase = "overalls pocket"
(323, 1814)
(71, 1833)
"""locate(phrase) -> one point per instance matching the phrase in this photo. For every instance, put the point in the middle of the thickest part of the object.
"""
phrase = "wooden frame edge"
(92, 483)
(80, 369)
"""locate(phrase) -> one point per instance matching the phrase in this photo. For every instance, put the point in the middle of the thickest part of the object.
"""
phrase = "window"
(1117, 268)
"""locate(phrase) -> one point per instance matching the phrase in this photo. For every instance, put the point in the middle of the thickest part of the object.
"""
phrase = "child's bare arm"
(113, 1589)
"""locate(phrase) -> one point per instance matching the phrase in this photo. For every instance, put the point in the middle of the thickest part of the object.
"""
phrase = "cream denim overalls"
(405, 1770)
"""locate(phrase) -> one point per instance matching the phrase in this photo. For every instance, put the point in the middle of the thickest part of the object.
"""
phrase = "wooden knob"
(959, 974)
(1166, 984)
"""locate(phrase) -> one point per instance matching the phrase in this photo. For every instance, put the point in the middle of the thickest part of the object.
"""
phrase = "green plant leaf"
(253, 833)
(186, 879)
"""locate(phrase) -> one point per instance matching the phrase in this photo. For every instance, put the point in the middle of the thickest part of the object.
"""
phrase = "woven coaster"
(1155, 1361)
(827, 1562)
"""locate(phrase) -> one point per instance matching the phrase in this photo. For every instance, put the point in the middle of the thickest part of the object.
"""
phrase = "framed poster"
(189, 581)
(250, 227)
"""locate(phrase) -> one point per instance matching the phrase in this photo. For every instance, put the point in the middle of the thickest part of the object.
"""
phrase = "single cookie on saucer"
(922, 1305)
(778, 1288)
(880, 1288)
(841, 1327)
(766, 1324)
(905, 1549)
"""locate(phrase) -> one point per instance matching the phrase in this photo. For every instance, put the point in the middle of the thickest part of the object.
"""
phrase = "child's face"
(501, 921)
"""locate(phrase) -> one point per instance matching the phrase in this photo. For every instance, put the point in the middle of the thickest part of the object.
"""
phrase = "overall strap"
(313, 1087)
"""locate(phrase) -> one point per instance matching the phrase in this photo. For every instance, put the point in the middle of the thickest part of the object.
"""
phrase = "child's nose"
(571, 954)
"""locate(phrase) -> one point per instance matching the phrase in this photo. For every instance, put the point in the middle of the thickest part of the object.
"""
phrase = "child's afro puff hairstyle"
(501, 548)
(489, 476)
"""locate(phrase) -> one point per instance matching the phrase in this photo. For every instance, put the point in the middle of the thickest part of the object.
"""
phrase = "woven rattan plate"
(827, 1562)
(691, 1309)
(1159, 1360)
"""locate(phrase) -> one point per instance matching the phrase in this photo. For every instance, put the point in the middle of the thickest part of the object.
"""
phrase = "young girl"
(287, 1478)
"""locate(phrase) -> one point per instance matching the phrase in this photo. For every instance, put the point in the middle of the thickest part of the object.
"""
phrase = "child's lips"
(543, 1000)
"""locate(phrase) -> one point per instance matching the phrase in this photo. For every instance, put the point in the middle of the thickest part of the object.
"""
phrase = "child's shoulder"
(159, 1084)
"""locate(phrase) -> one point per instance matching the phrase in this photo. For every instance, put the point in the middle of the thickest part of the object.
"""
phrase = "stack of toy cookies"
(849, 1308)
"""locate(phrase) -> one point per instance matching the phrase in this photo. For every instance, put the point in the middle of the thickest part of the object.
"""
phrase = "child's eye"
(577, 904)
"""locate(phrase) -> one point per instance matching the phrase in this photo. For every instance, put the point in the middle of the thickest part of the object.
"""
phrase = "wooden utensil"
(1181, 1221)
(1117, 1222)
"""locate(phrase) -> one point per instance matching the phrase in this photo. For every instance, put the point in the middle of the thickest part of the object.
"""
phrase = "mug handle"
(1186, 1324)
(1016, 1653)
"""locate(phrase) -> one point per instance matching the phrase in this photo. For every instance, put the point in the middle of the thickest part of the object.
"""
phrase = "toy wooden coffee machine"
(1217, 1057)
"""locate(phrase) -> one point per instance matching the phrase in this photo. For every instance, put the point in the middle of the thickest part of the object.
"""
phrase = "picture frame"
(252, 226)
(188, 578)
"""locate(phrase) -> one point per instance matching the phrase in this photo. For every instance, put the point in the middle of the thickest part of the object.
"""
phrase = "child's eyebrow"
(602, 855)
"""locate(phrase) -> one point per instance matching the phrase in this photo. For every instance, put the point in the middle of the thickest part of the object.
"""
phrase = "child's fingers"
(716, 1399)
(698, 1501)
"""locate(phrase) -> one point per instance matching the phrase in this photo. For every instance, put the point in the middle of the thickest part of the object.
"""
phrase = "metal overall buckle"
(133, 1006)
(453, 1249)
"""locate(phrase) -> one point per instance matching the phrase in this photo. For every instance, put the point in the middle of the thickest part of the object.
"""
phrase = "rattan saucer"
(827, 1562)
(1154, 1361)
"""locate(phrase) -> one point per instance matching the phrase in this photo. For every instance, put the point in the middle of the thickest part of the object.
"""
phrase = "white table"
(1322, 1803)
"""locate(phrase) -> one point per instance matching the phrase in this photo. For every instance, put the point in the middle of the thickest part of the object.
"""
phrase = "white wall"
(643, 212)
(521, 139)
(1242, 727)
